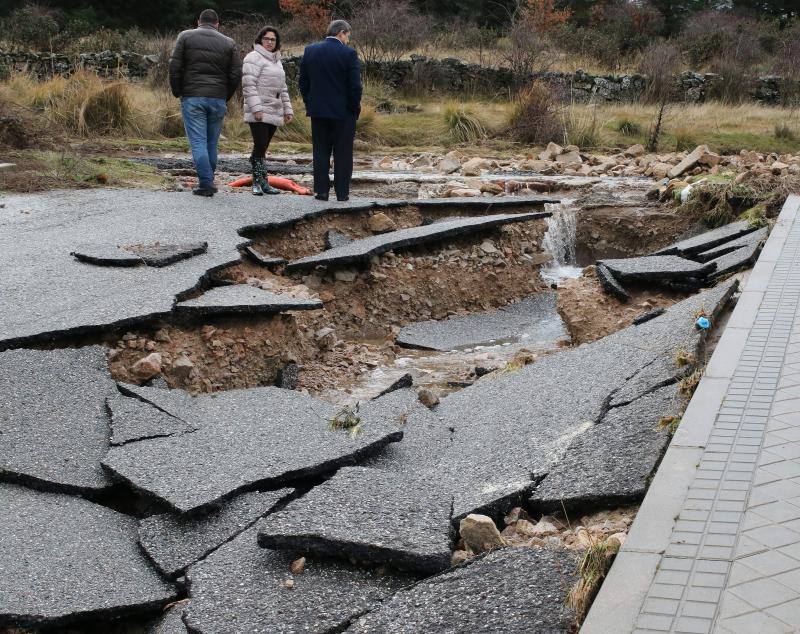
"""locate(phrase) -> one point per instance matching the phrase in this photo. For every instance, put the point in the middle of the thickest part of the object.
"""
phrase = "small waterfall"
(560, 241)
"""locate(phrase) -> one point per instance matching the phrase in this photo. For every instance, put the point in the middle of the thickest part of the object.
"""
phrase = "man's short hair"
(208, 16)
(337, 26)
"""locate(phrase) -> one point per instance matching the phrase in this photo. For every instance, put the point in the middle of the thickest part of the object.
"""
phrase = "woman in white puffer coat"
(266, 101)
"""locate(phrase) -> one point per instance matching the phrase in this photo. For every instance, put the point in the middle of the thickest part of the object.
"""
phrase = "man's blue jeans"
(202, 118)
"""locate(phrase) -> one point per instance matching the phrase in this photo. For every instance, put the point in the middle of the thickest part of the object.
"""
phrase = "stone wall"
(421, 75)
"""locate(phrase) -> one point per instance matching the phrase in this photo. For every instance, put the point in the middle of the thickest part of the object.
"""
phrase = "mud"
(590, 313)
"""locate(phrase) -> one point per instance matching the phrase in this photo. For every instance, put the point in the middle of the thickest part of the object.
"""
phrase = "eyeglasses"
(269, 39)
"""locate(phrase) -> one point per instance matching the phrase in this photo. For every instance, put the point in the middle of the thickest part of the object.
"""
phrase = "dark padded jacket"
(204, 63)
(330, 80)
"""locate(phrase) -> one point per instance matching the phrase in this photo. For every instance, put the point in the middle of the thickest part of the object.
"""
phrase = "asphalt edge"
(621, 597)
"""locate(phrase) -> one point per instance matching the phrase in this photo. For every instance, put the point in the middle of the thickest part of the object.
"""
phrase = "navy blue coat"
(330, 80)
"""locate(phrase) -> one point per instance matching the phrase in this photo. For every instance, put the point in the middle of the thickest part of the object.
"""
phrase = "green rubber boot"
(256, 187)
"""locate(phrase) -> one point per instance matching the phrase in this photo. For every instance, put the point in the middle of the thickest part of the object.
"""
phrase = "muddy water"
(441, 372)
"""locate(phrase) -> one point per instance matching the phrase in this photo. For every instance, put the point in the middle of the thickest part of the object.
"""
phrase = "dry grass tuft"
(592, 570)
(463, 124)
(683, 357)
(688, 384)
(670, 423)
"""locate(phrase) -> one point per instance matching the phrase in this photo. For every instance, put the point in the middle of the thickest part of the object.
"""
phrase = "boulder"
(147, 367)
(491, 188)
(381, 223)
(659, 170)
(448, 165)
(690, 161)
(474, 166)
(635, 150)
(480, 533)
(551, 152)
(569, 159)
(778, 167)
(463, 192)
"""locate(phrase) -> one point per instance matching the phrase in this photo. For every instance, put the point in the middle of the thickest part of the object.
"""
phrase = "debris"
(147, 367)
(381, 223)
(480, 533)
(428, 398)
(298, 565)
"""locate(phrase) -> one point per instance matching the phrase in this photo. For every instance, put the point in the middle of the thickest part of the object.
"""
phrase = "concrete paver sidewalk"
(716, 544)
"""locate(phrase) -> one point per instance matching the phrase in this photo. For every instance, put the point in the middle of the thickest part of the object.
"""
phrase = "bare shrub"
(32, 26)
(535, 117)
(158, 76)
(786, 65)
(386, 30)
(529, 52)
(723, 40)
(631, 25)
(659, 63)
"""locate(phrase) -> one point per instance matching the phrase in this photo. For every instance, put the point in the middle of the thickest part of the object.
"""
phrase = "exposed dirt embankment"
(307, 237)
(614, 232)
(590, 313)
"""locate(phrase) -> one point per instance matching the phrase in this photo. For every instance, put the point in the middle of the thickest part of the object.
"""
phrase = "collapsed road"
(140, 499)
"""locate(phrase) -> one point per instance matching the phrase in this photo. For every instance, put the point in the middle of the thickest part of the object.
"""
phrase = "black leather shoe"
(321, 196)
(202, 191)
(343, 199)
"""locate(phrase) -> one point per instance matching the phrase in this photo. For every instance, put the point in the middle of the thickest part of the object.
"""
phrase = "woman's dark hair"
(266, 30)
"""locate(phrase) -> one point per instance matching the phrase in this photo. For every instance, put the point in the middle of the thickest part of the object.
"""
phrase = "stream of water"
(560, 240)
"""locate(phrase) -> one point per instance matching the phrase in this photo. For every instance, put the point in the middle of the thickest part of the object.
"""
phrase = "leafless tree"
(386, 30)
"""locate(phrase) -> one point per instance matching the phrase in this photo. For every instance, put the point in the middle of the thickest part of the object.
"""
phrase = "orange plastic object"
(277, 182)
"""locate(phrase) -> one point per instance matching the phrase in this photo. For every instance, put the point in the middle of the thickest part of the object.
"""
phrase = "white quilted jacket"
(264, 87)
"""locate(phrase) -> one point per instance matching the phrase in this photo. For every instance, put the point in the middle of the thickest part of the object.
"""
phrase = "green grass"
(38, 171)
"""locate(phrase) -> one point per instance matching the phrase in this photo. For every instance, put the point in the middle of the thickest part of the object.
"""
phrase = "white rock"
(487, 246)
(182, 367)
(480, 533)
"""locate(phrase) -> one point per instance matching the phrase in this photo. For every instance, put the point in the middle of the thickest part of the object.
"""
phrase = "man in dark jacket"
(330, 82)
(204, 71)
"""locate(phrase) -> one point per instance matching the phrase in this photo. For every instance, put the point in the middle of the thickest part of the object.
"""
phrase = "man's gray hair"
(337, 26)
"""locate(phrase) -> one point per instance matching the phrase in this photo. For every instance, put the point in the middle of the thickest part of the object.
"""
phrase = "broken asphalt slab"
(54, 426)
(611, 464)
(241, 588)
(610, 284)
(512, 590)
(65, 560)
(534, 319)
(156, 254)
(707, 240)
(735, 260)
(264, 437)
(132, 419)
(174, 541)
(367, 515)
(243, 299)
(360, 250)
(497, 456)
(746, 240)
(656, 268)
(73, 298)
